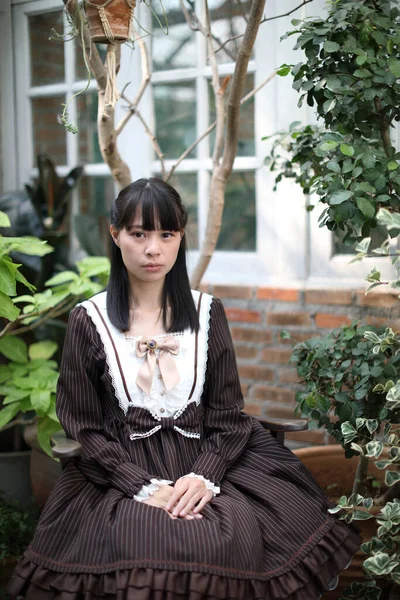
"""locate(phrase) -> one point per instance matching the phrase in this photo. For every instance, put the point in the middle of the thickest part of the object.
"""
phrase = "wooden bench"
(64, 448)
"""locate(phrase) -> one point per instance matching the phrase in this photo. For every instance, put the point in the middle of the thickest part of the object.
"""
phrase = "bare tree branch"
(154, 141)
(218, 91)
(195, 25)
(190, 149)
(265, 20)
(221, 173)
(146, 77)
(213, 125)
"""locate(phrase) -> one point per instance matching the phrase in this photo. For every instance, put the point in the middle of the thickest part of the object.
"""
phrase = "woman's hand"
(160, 499)
(190, 495)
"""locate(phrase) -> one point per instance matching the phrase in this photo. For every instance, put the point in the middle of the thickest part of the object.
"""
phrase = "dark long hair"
(161, 206)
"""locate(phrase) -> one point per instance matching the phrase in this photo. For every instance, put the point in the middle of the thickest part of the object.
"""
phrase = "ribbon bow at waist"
(167, 347)
(190, 422)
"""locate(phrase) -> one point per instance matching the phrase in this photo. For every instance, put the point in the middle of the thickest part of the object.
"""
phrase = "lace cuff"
(148, 490)
(209, 484)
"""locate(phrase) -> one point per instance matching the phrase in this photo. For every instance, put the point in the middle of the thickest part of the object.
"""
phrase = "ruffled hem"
(306, 581)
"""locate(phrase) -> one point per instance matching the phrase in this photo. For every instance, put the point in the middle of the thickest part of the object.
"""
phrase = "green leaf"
(393, 165)
(42, 350)
(46, 428)
(367, 209)
(64, 277)
(347, 150)
(14, 348)
(340, 196)
(331, 46)
(391, 477)
(4, 220)
(7, 278)
(394, 66)
(40, 401)
(8, 310)
(361, 515)
(362, 73)
(8, 412)
(328, 146)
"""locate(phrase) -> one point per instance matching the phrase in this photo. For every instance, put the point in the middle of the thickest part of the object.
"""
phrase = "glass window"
(173, 42)
(175, 113)
(88, 139)
(246, 145)
(80, 67)
(47, 53)
(48, 135)
(228, 19)
(238, 231)
(186, 184)
(91, 224)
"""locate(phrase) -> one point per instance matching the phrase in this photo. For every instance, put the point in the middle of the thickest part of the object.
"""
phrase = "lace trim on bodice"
(123, 364)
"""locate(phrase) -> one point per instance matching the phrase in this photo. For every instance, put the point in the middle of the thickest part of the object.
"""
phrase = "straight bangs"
(156, 208)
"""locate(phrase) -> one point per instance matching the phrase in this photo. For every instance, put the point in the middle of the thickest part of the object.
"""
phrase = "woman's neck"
(147, 296)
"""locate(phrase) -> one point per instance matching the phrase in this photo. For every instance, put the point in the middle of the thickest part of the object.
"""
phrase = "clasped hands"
(183, 500)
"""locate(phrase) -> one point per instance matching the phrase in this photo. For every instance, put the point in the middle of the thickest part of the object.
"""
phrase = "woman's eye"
(167, 234)
(137, 234)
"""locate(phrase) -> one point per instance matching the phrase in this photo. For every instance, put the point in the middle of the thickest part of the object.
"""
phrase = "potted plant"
(345, 383)
(28, 375)
(351, 75)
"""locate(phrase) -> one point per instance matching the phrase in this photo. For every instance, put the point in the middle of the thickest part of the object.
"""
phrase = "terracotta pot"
(112, 16)
(335, 474)
(44, 471)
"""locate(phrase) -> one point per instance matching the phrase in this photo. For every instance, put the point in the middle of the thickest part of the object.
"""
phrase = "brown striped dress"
(267, 535)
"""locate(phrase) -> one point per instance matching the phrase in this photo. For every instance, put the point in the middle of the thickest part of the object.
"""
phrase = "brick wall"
(258, 315)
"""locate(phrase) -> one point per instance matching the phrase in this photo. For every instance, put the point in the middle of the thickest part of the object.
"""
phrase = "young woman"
(178, 494)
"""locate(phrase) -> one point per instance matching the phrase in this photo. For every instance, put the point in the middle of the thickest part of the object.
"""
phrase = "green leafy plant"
(343, 383)
(351, 76)
(28, 381)
(17, 526)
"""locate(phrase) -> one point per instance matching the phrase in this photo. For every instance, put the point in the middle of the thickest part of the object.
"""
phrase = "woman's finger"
(191, 503)
(203, 502)
(187, 501)
(179, 489)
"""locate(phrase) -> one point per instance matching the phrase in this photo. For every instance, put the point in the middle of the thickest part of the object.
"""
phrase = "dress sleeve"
(226, 428)
(103, 461)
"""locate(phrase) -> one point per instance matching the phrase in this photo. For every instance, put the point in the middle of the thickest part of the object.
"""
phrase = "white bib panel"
(124, 364)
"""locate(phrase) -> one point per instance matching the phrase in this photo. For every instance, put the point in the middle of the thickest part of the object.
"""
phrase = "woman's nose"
(153, 247)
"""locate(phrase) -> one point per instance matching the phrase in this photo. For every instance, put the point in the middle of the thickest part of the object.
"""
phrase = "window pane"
(47, 55)
(88, 140)
(48, 135)
(227, 21)
(175, 48)
(80, 67)
(92, 223)
(246, 145)
(186, 184)
(238, 231)
(175, 111)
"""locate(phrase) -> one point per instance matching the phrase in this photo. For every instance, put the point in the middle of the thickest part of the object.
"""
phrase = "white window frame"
(291, 250)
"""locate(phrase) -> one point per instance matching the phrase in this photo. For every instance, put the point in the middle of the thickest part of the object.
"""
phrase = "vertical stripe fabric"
(267, 535)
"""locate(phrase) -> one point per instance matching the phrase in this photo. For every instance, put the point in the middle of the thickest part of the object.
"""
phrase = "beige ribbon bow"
(146, 347)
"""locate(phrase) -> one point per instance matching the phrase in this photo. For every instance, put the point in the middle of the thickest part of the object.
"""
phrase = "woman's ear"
(114, 234)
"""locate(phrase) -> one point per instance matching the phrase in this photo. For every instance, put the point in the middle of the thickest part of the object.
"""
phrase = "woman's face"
(148, 255)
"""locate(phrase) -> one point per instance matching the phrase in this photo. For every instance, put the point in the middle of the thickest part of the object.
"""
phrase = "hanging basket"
(110, 20)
